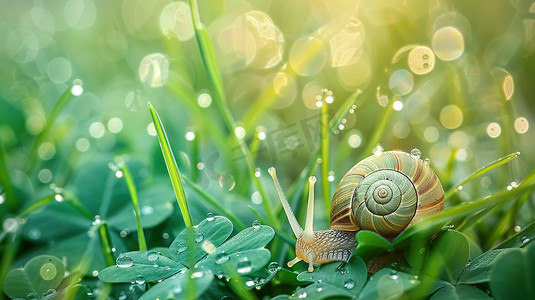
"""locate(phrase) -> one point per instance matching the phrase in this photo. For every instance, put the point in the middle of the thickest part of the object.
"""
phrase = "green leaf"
(388, 284)
(242, 262)
(351, 276)
(451, 252)
(214, 231)
(459, 292)
(140, 266)
(249, 238)
(371, 244)
(172, 168)
(480, 269)
(176, 286)
(512, 276)
(39, 275)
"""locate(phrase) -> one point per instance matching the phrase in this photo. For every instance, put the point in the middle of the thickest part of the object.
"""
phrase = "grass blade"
(433, 223)
(172, 168)
(480, 172)
(208, 57)
(379, 131)
(58, 107)
(133, 195)
(325, 152)
(5, 180)
(105, 241)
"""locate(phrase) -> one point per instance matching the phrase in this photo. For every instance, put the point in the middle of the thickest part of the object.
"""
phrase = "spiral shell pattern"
(386, 193)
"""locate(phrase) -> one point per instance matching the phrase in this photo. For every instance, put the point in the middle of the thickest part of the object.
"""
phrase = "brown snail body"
(383, 193)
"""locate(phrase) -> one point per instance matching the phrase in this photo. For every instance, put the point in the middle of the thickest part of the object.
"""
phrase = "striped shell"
(386, 193)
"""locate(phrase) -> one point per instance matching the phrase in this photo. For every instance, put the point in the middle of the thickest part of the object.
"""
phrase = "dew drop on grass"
(256, 224)
(152, 256)
(226, 182)
(181, 247)
(416, 153)
(249, 283)
(302, 294)
(273, 267)
(525, 240)
(199, 237)
(349, 284)
(221, 258)
(427, 161)
(244, 266)
(124, 261)
(140, 279)
(394, 275)
(210, 217)
(198, 274)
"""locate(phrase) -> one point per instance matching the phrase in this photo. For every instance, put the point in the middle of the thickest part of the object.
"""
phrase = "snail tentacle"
(296, 228)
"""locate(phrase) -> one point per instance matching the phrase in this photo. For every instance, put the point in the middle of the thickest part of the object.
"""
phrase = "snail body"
(383, 193)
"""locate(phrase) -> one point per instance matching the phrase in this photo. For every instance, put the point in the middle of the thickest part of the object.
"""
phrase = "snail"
(383, 193)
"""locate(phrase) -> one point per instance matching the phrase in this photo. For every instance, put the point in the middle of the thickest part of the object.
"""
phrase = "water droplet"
(517, 228)
(147, 210)
(257, 172)
(210, 217)
(330, 178)
(460, 188)
(221, 258)
(226, 181)
(94, 273)
(378, 150)
(119, 174)
(97, 220)
(413, 279)
(416, 153)
(177, 290)
(181, 247)
(256, 198)
(273, 267)
(394, 275)
(11, 225)
(59, 197)
(152, 255)
(422, 250)
(140, 279)
(124, 233)
(199, 237)
(525, 240)
(349, 284)
(32, 296)
(249, 283)
(197, 274)
(319, 288)
(50, 293)
(468, 263)
(165, 235)
(124, 261)
(256, 224)
(427, 161)
(244, 266)
(343, 271)
(301, 294)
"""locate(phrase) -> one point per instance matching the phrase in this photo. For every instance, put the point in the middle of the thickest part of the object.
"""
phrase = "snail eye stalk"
(296, 228)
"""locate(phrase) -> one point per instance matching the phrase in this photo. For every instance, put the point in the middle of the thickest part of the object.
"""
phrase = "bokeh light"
(308, 56)
(521, 125)
(494, 130)
(154, 69)
(175, 21)
(451, 116)
(448, 43)
(401, 82)
(421, 60)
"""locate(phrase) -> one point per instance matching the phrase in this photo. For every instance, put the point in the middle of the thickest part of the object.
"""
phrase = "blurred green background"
(457, 77)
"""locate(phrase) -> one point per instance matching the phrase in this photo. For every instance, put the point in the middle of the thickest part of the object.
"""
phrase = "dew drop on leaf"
(124, 261)
(32, 296)
(244, 266)
(210, 217)
(256, 224)
(349, 284)
(273, 267)
(140, 279)
(199, 237)
(50, 293)
(181, 247)
(221, 258)
(152, 255)
(177, 290)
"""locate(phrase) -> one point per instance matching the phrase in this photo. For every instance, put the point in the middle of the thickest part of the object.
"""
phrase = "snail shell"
(386, 193)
